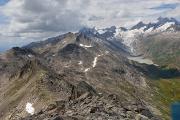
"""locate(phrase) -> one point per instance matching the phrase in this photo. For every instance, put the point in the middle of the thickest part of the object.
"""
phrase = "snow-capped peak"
(165, 26)
(162, 20)
(161, 24)
(88, 31)
(139, 25)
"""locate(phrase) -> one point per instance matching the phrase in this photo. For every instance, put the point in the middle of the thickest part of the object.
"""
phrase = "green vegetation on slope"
(164, 50)
(164, 57)
(166, 92)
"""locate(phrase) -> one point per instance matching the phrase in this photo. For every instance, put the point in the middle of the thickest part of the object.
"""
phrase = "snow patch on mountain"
(95, 61)
(118, 31)
(87, 69)
(149, 30)
(86, 46)
(101, 31)
(106, 52)
(165, 26)
(141, 29)
(29, 108)
(30, 56)
(80, 63)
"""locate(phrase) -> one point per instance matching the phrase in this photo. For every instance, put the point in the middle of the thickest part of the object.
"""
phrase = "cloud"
(166, 6)
(42, 16)
(38, 19)
(95, 18)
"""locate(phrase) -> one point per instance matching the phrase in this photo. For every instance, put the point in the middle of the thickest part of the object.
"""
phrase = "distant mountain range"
(161, 25)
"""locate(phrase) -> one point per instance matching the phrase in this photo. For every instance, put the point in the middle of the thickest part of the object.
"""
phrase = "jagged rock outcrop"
(88, 105)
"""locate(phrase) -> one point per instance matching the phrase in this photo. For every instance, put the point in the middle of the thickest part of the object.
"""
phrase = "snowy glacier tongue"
(128, 37)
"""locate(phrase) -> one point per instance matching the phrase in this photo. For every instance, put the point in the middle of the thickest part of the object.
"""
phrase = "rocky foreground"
(85, 104)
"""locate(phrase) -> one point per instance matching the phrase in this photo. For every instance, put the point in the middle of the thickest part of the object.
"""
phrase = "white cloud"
(39, 19)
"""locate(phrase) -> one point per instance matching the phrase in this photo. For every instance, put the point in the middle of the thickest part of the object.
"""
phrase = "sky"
(24, 21)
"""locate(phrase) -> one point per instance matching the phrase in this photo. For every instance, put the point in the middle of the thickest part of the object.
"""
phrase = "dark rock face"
(109, 32)
(73, 51)
(139, 25)
(70, 48)
(84, 87)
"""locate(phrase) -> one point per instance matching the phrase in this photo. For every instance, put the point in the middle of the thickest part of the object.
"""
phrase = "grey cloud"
(55, 23)
(95, 18)
(47, 15)
(43, 6)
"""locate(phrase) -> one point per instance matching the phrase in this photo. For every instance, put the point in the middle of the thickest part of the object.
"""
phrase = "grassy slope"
(166, 92)
(164, 49)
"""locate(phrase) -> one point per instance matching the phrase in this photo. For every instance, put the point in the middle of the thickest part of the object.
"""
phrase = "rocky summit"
(94, 74)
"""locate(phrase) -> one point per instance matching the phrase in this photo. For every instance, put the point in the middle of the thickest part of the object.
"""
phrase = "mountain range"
(106, 74)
